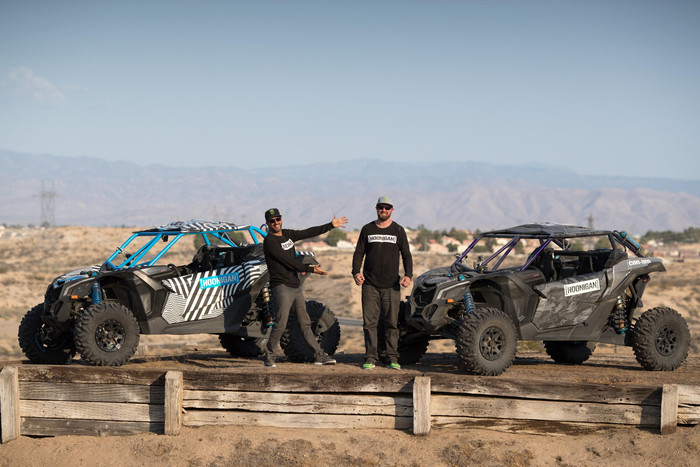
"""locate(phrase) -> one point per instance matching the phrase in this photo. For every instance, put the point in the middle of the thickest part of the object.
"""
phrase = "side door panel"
(205, 295)
(568, 302)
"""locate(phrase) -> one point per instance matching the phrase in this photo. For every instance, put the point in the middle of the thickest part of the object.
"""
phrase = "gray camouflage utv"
(568, 293)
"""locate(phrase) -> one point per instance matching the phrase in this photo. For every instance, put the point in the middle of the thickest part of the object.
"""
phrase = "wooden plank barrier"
(74, 399)
(9, 404)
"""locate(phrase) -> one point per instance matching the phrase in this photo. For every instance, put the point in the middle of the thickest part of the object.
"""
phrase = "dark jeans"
(381, 304)
(284, 298)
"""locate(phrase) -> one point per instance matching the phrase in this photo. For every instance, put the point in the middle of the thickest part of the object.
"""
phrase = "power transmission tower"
(47, 206)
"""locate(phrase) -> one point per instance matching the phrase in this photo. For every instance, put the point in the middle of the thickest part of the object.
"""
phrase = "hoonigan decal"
(581, 287)
(218, 281)
(205, 295)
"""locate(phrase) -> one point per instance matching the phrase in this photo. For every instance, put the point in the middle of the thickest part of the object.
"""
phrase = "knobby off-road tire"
(575, 352)
(238, 346)
(106, 334)
(42, 343)
(486, 342)
(412, 344)
(661, 339)
(412, 347)
(325, 327)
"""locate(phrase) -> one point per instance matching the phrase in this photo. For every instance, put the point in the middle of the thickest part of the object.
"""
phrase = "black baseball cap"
(270, 213)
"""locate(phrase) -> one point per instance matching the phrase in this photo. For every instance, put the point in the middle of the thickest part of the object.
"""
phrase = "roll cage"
(547, 234)
(208, 230)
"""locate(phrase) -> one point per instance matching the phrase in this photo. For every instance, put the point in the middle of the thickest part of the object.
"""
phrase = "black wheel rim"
(491, 343)
(110, 335)
(49, 338)
(666, 341)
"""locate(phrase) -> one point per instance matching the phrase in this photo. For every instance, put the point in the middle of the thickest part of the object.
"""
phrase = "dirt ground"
(525, 444)
(28, 263)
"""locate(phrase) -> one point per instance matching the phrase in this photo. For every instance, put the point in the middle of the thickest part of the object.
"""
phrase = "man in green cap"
(380, 243)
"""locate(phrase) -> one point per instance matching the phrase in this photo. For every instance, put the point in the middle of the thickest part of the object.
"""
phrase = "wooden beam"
(558, 411)
(421, 405)
(91, 374)
(688, 414)
(545, 390)
(90, 392)
(92, 410)
(66, 426)
(688, 394)
(9, 404)
(359, 404)
(173, 402)
(669, 409)
(285, 420)
(280, 381)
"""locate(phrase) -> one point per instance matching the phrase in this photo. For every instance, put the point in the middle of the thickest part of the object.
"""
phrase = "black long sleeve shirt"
(280, 254)
(381, 248)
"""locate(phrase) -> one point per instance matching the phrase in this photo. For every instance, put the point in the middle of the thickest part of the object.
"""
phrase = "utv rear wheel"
(412, 344)
(661, 339)
(575, 352)
(107, 334)
(412, 347)
(42, 343)
(238, 346)
(325, 327)
(486, 342)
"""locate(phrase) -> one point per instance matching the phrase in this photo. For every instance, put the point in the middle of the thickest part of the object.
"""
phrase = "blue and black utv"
(100, 311)
(577, 287)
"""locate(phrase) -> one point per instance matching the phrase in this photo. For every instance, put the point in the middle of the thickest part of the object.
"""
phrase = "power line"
(47, 197)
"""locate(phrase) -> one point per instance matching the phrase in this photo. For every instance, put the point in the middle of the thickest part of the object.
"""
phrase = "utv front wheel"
(575, 352)
(486, 342)
(325, 327)
(661, 339)
(42, 343)
(238, 346)
(107, 334)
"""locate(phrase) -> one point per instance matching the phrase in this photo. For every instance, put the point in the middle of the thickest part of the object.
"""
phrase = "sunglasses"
(275, 219)
(384, 207)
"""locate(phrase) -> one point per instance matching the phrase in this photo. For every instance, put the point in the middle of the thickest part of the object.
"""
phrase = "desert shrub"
(689, 235)
(335, 235)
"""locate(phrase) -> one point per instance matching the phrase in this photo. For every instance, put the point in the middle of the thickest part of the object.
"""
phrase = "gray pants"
(284, 299)
(381, 304)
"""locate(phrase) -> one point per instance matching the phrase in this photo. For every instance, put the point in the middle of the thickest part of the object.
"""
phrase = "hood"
(80, 273)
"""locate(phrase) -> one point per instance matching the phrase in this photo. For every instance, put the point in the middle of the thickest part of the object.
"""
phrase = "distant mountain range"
(468, 195)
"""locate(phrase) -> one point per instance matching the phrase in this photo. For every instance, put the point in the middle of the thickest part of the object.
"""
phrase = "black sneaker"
(270, 360)
(324, 359)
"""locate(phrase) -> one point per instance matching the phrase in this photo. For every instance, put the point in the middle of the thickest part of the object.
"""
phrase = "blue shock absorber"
(469, 302)
(96, 293)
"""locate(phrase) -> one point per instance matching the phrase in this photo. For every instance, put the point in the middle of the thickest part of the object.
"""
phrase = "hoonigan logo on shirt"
(287, 245)
(381, 238)
(218, 281)
(581, 287)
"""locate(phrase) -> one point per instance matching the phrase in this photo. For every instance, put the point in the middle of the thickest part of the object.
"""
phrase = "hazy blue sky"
(590, 85)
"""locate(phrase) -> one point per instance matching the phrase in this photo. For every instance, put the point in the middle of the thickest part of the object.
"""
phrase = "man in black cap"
(380, 243)
(284, 281)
